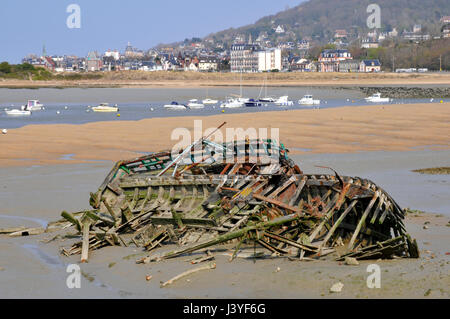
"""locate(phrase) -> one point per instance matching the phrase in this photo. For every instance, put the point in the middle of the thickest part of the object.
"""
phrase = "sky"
(26, 25)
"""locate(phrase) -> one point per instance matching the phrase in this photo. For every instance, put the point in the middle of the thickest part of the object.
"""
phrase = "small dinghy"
(175, 106)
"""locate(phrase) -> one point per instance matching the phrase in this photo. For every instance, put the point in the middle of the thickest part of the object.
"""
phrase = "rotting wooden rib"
(362, 220)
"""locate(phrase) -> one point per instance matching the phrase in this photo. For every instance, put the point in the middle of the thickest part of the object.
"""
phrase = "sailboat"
(269, 99)
(208, 100)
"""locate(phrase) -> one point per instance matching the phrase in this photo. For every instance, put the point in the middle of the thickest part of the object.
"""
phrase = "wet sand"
(400, 127)
(31, 269)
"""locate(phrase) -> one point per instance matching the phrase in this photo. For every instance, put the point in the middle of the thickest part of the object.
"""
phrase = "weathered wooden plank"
(163, 220)
(298, 191)
(337, 223)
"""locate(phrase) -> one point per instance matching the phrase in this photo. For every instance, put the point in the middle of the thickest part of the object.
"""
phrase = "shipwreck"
(255, 194)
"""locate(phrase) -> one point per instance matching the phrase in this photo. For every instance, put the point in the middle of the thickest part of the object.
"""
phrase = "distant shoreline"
(141, 79)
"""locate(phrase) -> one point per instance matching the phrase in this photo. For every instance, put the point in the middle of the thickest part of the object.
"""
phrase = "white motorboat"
(194, 104)
(308, 100)
(232, 103)
(24, 111)
(376, 98)
(175, 106)
(33, 105)
(283, 101)
(209, 101)
(16, 112)
(104, 107)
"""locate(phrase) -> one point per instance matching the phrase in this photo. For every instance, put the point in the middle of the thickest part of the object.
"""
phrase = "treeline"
(431, 54)
(23, 71)
(27, 71)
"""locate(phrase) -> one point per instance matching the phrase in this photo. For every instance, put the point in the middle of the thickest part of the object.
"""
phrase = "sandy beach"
(338, 130)
(171, 79)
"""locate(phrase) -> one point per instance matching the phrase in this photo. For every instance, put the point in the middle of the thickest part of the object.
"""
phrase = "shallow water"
(71, 106)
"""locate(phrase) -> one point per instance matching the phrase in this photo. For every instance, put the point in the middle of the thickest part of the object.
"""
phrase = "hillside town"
(265, 53)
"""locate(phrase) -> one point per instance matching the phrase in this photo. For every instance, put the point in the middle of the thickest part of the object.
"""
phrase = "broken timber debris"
(253, 194)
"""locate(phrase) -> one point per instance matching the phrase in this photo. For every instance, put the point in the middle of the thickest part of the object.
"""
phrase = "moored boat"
(175, 106)
(24, 111)
(267, 99)
(376, 98)
(34, 105)
(104, 107)
(210, 101)
(232, 103)
(17, 112)
(308, 100)
(194, 104)
(252, 103)
(283, 101)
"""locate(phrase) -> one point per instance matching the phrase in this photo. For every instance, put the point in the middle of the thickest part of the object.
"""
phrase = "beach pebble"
(148, 277)
(337, 287)
(278, 269)
(351, 261)
(425, 227)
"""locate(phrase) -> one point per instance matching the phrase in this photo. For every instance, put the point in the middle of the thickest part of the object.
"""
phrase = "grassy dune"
(195, 79)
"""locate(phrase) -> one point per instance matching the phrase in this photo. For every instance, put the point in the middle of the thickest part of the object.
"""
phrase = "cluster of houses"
(242, 57)
(133, 59)
(335, 60)
(241, 53)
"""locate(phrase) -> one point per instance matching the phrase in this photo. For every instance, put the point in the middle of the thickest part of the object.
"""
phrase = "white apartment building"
(269, 60)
